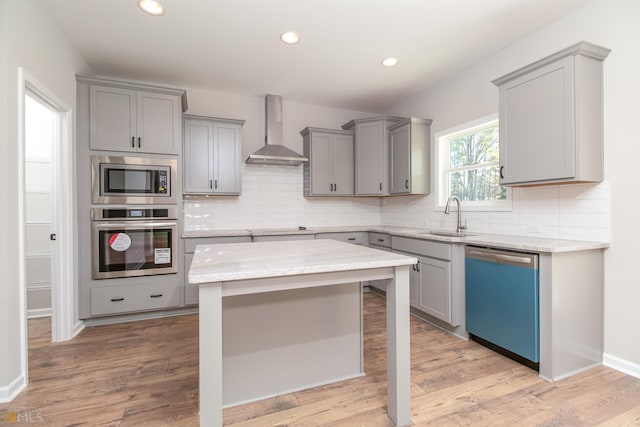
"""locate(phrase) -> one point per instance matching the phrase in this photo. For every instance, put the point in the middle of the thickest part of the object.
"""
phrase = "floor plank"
(146, 374)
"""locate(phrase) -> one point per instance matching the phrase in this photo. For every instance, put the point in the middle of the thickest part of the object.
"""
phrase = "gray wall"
(28, 39)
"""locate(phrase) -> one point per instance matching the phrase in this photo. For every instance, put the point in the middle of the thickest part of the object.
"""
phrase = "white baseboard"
(34, 313)
(77, 328)
(9, 392)
(109, 320)
(621, 365)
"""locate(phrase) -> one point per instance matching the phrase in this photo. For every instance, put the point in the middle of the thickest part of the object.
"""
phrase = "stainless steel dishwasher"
(502, 302)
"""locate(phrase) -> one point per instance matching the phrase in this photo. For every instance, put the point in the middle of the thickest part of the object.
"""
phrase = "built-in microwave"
(133, 180)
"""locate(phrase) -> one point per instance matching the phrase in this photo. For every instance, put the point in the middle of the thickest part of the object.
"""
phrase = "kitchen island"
(250, 269)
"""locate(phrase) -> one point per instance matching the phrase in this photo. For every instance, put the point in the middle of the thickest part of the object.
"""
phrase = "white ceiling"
(233, 45)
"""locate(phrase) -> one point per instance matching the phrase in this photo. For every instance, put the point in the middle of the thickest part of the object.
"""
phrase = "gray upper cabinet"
(130, 120)
(212, 155)
(371, 154)
(551, 119)
(329, 171)
(409, 156)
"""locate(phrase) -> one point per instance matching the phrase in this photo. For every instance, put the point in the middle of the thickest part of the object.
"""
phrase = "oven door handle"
(133, 224)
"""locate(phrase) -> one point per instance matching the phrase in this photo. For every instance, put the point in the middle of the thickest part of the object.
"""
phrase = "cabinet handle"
(413, 267)
(335, 187)
(380, 186)
(351, 238)
(418, 266)
(133, 142)
(501, 169)
(406, 184)
(211, 183)
(330, 187)
(380, 240)
(139, 143)
(215, 184)
(117, 299)
(156, 295)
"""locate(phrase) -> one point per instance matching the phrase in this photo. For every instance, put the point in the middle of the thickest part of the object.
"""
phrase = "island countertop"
(254, 270)
(242, 261)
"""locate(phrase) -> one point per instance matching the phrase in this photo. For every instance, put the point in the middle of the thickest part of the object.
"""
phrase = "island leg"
(398, 348)
(210, 324)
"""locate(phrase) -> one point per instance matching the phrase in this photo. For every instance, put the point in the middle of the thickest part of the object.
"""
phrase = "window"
(468, 166)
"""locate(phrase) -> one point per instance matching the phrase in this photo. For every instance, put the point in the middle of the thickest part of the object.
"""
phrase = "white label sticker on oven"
(120, 242)
(163, 256)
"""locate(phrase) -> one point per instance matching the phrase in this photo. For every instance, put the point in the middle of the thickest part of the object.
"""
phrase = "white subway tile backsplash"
(272, 197)
(576, 211)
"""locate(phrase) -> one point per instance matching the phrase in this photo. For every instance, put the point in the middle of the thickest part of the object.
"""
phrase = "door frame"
(64, 325)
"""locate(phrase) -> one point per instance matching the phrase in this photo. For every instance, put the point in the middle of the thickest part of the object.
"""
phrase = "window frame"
(441, 168)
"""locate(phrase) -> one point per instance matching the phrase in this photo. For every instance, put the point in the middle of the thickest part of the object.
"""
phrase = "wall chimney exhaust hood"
(273, 152)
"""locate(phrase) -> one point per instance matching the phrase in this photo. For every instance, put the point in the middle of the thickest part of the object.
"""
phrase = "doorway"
(47, 211)
(41, 134)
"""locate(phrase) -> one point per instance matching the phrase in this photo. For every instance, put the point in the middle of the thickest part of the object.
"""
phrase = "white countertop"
(525, 243)
(241, 261)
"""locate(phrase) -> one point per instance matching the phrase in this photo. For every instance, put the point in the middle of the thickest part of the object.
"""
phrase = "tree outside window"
(469, 166)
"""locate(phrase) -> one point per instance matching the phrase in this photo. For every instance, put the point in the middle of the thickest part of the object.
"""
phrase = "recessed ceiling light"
(290, 37)
(389, 62)
(151, 7)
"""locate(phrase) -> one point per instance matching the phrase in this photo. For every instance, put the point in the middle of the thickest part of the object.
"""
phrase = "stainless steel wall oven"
(134, 241)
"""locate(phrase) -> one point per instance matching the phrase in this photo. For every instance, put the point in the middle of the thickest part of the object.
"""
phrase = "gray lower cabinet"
(329, 171)
(380, 241)
(354, 237)
(191, 292)
(434, 279)
(212, 155)
(371, 154)
(437, 280)
(284, 237)
(410, 157)
(551, 118)
(123, 118)
(107, 300)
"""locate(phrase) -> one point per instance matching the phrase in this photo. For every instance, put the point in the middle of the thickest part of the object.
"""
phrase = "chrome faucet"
(447, 209)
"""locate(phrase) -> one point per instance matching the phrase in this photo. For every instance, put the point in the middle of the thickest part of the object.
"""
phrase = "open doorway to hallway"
(41, 123)
(47, 220)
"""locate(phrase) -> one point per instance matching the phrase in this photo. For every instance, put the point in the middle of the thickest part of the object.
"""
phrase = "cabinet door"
(400, 152)
(112, 119)
(342, 165)
(197, 156)
(536, 125)
(321, 182)
(226, 158)
(435, 287)
(158, 123)
(370, 159)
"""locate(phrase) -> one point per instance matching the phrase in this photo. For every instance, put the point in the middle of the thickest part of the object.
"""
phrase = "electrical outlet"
(533, 228)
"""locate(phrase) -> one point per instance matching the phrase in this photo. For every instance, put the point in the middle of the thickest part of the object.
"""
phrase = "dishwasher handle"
(520, 259)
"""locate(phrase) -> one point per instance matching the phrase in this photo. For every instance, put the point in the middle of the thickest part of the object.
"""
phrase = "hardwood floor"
(146, 374)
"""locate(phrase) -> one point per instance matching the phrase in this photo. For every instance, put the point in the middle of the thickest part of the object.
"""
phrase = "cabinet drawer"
(357, 238)
(191, 243)
(422, 247)
(122, 299)
(379, 239)
(283, 237)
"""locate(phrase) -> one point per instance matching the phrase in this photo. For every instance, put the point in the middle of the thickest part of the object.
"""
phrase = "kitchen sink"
(447, 233)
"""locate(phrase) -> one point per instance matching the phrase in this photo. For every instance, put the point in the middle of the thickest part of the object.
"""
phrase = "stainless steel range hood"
(273, 152)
